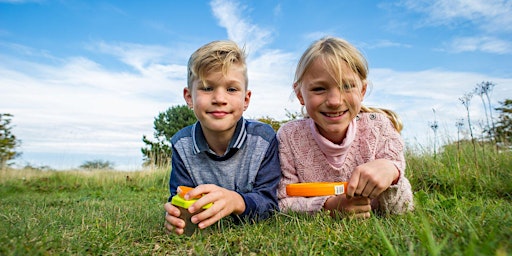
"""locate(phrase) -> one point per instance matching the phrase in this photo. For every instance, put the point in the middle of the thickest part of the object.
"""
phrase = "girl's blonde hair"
(213, 57)
(334, 52)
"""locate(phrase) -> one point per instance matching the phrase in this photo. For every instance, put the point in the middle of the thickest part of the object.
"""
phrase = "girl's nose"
(334, 98)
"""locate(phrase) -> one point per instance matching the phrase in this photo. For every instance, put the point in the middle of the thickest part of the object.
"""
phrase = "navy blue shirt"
(250, 166)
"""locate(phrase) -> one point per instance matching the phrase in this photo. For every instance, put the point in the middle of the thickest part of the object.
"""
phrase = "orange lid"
(182, 190)
(316, 188)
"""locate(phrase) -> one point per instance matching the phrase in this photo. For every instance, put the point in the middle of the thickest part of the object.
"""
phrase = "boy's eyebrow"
(228, 82)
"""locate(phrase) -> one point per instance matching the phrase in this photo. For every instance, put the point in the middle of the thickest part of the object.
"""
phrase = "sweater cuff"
(397, 178)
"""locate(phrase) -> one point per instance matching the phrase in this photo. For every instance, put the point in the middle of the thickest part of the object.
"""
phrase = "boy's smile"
(218, 114)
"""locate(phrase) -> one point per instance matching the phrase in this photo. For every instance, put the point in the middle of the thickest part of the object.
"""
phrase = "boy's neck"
(219, 142)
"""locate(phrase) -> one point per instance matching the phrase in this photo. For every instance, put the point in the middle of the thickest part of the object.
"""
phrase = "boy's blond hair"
(213, 57)
(335, 51)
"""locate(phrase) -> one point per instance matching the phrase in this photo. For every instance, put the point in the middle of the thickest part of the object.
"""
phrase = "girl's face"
(330, 105)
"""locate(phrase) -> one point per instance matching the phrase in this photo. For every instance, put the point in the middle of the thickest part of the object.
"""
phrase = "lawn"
(463, 207)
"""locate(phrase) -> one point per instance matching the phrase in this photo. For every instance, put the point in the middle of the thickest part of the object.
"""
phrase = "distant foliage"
(271, 121)
(97, 165)
(276, 124)
(503, 128)
(166, 124)
(8, 142)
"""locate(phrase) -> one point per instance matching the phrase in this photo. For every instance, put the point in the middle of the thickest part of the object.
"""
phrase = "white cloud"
(241, 31)
(484, 44)
(270, 80)
(78, 106)
(413, 95)
(384, 43)
(489, 15)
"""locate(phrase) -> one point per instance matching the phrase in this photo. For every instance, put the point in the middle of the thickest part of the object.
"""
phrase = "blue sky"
(85, 79)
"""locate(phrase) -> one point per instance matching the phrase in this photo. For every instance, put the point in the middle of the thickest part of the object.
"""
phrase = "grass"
(463, 207)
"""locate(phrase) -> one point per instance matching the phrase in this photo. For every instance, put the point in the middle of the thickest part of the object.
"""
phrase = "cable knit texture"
(303, 161)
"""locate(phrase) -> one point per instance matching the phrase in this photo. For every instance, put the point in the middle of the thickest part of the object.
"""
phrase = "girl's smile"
(334, 115)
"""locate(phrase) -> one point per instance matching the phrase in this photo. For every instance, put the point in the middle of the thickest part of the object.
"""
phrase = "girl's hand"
(172, 221)
(224, 202)
(357, 207)
(372, 178)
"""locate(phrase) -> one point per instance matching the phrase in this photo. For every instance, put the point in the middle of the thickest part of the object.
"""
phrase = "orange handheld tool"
(183, 190)
(316, 188)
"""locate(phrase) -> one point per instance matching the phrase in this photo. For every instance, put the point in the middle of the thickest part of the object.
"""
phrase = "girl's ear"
(298, 93)
(187, 95)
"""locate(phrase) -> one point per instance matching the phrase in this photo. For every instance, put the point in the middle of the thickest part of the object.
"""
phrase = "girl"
(340, 139)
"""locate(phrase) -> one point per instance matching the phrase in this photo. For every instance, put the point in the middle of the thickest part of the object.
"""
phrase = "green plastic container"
(185, 215)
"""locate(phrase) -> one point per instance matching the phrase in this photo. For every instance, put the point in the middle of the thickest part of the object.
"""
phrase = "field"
(463, 207)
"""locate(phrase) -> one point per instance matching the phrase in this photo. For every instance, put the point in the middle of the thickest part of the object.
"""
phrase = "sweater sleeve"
(179, 174)
(261, 202)
(289, 176)
(397, 198)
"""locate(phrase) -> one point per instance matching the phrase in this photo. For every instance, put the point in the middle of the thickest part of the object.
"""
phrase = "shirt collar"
(237, 141)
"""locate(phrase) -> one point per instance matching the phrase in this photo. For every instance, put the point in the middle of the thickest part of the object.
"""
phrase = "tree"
(277, 124)
(271, 121)
(8, 142)
(166, 124)
(97, 164)
(503, 128)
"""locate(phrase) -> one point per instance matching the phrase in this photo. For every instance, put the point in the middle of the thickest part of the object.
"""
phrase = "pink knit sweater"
(302, 160)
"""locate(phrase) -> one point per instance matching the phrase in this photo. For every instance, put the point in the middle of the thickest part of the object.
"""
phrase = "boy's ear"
(247, 99)
(187, 95)
(298, 93)
(363, 89)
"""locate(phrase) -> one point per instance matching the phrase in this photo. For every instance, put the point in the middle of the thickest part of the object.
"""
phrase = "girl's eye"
(347, 87)
(318, 89)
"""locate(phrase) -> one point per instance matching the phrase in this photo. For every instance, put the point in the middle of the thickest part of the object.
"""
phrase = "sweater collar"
(201, 145)
(335, 153)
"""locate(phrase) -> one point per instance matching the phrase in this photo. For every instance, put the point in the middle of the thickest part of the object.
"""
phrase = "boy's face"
(220, 102)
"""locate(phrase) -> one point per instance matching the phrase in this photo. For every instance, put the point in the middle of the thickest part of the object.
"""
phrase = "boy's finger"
(171, 210)
(174, 221)
(200, 191)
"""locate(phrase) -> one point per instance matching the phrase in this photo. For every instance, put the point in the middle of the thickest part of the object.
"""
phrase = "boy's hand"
(172, 221)
(357, 207)
(224, 202)
(372, 178)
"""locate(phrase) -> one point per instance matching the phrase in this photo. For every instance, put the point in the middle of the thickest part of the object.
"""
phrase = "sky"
(84, 80)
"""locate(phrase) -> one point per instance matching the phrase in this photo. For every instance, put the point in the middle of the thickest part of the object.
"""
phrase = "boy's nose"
(219, 97)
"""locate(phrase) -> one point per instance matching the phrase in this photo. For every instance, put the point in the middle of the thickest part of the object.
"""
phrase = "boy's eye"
(206, 88)
(232, 89)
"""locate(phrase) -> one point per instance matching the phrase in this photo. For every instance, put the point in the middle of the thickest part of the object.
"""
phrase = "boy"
(231, 161)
